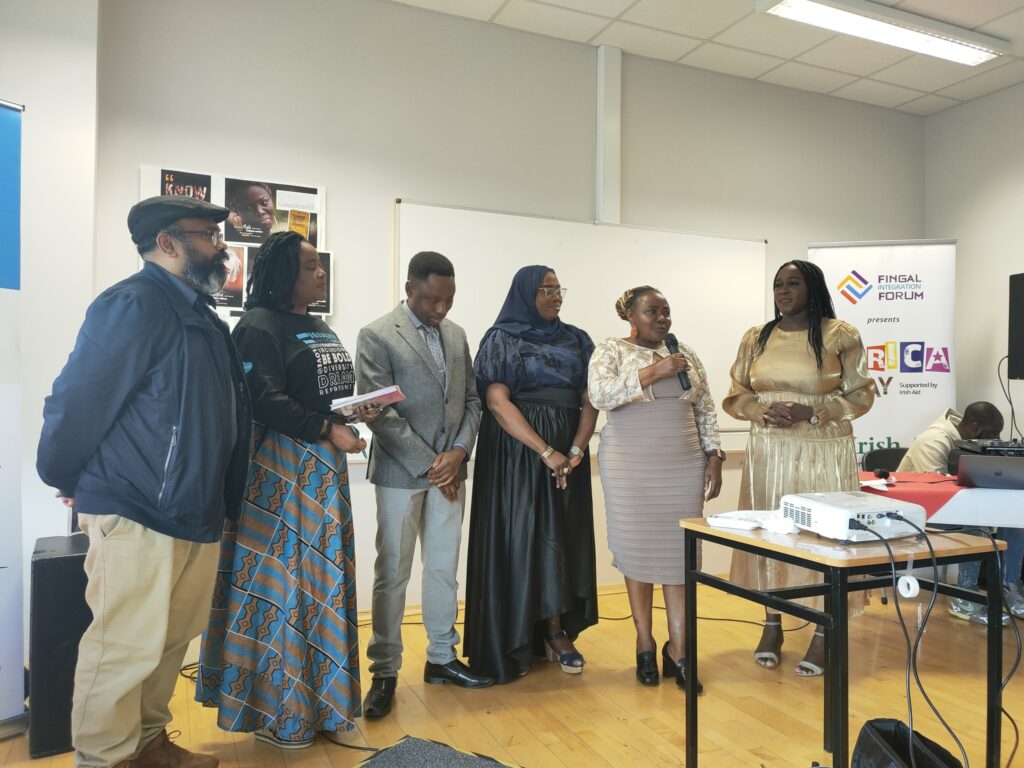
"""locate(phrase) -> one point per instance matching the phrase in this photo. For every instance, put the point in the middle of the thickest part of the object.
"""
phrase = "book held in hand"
(385, 396)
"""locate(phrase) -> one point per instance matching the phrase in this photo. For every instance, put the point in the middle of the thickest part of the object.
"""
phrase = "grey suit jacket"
(408, 435)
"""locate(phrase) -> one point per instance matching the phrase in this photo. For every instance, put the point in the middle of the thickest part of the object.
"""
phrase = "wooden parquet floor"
(749, 716)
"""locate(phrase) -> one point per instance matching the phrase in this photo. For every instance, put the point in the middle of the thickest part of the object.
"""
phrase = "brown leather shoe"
(161, 752)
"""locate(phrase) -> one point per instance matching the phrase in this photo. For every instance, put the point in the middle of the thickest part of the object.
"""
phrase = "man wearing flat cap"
(146, 435)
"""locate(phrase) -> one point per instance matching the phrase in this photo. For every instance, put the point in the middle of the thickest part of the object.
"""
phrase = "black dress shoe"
(647, 668)
(378, 700)
(677, 669)
(456, 673)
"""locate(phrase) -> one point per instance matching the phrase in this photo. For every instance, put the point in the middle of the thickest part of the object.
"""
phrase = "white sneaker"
(975, 613)
(1014, 597)
(268, 737)
(963, 609)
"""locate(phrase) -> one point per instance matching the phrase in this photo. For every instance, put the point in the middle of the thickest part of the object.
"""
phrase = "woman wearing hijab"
(531, 579)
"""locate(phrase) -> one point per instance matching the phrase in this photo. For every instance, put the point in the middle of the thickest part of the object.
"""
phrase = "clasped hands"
(561, 467)
(444, 472)
(786, 414)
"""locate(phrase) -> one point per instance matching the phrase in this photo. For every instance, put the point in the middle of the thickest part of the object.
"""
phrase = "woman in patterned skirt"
(280, 656)
(636, 380)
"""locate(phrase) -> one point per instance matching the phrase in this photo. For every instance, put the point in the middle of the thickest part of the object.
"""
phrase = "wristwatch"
(814, 420)
(717, 452)
(575, 451)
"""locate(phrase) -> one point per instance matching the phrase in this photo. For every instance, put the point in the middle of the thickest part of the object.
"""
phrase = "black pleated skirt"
(531, 546)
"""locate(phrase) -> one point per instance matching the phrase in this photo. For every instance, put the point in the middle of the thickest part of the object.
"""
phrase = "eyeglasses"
(549, 292)
(215, 236)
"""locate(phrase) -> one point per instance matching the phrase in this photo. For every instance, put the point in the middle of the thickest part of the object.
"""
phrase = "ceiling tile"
(551, 21)
(609, 8)
(473, 9)
(853, 55)
(927, 105)
(697, 18)
(731, 61)
(987, 82)
(926, 73)
(1009, 27)
(644, 41)
(764, 33)
(879, 94)
(962, 13)
(806, 77)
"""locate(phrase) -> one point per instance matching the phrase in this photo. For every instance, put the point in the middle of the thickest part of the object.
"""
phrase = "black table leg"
(690, 631)
(827, 686)
(993, 695)
(838, 668)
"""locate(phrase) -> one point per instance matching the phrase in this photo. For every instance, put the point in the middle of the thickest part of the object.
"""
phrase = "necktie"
(434, 345)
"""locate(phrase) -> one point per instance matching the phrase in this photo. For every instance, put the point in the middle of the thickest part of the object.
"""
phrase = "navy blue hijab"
(519, 316)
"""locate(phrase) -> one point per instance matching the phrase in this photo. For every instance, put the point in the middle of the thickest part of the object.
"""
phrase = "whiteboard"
(715, 285)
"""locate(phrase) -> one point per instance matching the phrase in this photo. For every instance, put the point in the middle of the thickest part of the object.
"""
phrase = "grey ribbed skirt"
(652, 470)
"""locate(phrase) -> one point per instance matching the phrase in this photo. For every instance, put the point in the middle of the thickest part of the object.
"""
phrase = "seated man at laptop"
(930, 453)
(930, 450)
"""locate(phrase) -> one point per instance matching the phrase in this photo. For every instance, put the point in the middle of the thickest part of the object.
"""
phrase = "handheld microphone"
(673, 347)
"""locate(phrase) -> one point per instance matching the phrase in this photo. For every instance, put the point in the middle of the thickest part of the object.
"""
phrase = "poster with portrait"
(230, 296)
(260, 208)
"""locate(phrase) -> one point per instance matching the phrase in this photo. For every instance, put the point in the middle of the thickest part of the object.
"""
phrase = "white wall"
(975, 193)
(376, 101)
(719, 154)
(48, 63)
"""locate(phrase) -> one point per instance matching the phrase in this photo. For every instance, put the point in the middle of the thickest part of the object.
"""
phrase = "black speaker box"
(1015, 338)
(58, 619)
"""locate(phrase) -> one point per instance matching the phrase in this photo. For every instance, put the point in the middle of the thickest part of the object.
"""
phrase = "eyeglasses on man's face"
(215, 236)
(550, 292)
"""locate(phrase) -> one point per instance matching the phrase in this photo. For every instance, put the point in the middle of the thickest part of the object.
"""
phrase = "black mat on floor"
(411, 752)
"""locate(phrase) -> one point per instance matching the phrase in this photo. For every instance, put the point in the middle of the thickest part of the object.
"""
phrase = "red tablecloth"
(930, 491)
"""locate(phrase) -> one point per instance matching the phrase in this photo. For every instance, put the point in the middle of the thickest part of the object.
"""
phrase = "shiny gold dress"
(804, 457)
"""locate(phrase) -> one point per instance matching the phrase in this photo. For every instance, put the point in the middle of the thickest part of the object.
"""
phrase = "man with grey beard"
(146, 436)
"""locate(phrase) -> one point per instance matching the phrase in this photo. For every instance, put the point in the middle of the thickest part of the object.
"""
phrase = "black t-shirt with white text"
(295, 366)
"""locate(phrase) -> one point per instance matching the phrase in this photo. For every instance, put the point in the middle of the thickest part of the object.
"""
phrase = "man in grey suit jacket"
(418, 467)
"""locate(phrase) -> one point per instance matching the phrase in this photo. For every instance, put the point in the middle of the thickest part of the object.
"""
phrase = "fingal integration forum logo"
(854, 287)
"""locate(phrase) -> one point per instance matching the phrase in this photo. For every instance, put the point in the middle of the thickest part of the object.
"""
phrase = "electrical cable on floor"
(857, 525)
(1016, 631)
(920, 635)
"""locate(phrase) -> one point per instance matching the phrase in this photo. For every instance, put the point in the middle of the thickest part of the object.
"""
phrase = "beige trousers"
(150, 596)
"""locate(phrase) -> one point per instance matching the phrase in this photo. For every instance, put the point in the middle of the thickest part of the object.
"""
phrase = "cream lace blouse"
(614, 380)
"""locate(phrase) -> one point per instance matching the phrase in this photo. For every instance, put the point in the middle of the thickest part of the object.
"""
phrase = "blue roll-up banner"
(12, 664)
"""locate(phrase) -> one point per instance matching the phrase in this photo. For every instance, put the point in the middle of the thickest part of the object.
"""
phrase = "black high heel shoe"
(647, 668)
(572, 663)
(677, 669)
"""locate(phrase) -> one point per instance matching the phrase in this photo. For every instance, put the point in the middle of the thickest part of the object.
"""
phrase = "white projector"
(829, 514)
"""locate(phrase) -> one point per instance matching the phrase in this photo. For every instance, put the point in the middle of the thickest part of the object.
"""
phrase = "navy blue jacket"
(141, 419)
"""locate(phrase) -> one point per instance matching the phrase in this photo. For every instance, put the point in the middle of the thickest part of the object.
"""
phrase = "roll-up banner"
(900, 296)
(12, 665)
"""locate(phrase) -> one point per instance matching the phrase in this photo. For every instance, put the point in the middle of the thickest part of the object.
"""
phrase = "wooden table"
(838, 563)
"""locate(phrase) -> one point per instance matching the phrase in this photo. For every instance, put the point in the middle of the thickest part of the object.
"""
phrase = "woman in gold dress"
(800, 380)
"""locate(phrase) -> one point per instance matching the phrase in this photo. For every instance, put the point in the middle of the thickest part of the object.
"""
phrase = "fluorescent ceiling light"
(891, 26)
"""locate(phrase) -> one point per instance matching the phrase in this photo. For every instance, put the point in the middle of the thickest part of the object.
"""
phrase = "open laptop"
(1002, 472)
